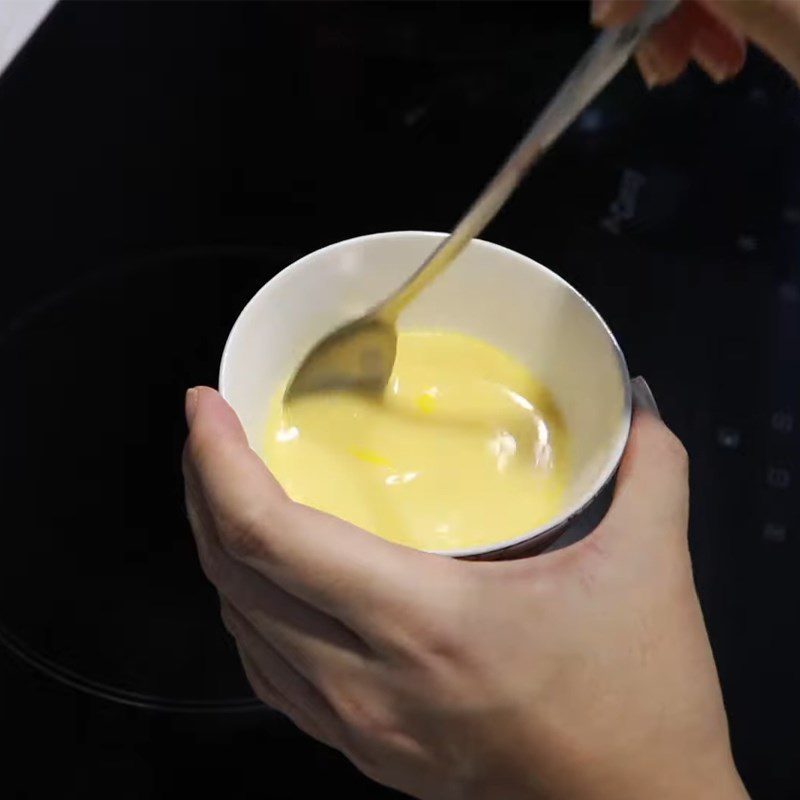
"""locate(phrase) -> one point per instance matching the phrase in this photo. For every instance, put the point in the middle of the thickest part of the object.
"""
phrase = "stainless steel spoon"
(360, 354)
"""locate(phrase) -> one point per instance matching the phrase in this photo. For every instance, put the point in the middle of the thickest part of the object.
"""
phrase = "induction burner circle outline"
(20, 645)
(117, 695)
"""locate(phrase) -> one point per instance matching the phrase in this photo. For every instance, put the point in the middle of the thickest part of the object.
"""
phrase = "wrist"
(678, 781)
(664, 777)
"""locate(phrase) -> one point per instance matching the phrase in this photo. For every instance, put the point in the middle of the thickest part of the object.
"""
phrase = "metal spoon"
(360, 354)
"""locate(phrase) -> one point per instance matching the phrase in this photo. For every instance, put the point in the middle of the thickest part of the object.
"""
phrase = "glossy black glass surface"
(160, 161)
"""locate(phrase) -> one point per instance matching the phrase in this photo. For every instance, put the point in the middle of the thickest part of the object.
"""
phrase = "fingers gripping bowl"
(491, 294)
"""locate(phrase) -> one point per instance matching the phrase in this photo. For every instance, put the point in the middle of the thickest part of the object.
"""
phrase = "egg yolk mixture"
(464, 448)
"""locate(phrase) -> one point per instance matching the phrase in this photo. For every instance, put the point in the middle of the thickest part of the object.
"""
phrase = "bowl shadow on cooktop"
(99, 584)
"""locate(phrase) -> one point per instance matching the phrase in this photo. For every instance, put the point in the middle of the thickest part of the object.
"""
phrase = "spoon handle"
(604, 59)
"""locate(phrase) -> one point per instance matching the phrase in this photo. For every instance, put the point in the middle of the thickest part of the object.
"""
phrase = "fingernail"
(711, 49)
(190, 405)
(648, 67)
(643, 398)
(717, 72)
(601, 10)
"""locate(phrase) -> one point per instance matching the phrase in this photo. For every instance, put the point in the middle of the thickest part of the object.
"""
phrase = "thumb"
(326, 562)
(651, 498)
(219, 463)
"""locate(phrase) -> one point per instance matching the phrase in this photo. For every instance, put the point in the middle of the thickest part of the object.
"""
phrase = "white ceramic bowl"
(489, 292)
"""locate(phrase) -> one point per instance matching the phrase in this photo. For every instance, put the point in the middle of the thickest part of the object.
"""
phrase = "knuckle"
(367, 765)
(442, 643)
(264, 690)
(193, 512)
(434, 652)
(377, 743)
(366, 721)
(267, 695)
(229, 622)
(241, 534)
(214, 567)
(245, 532)
(439, 639)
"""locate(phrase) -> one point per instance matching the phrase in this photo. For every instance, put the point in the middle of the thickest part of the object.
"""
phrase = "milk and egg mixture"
(465, 448)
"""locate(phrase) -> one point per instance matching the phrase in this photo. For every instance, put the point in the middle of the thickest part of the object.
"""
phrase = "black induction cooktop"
(160, 161)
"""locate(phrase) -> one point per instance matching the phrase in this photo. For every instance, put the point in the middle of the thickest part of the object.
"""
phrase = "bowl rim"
(615, 455)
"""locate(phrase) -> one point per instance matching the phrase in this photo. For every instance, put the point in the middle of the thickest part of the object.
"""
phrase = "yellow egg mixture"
(465, 448)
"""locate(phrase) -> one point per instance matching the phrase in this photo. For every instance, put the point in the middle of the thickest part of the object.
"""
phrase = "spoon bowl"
(359, 356)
